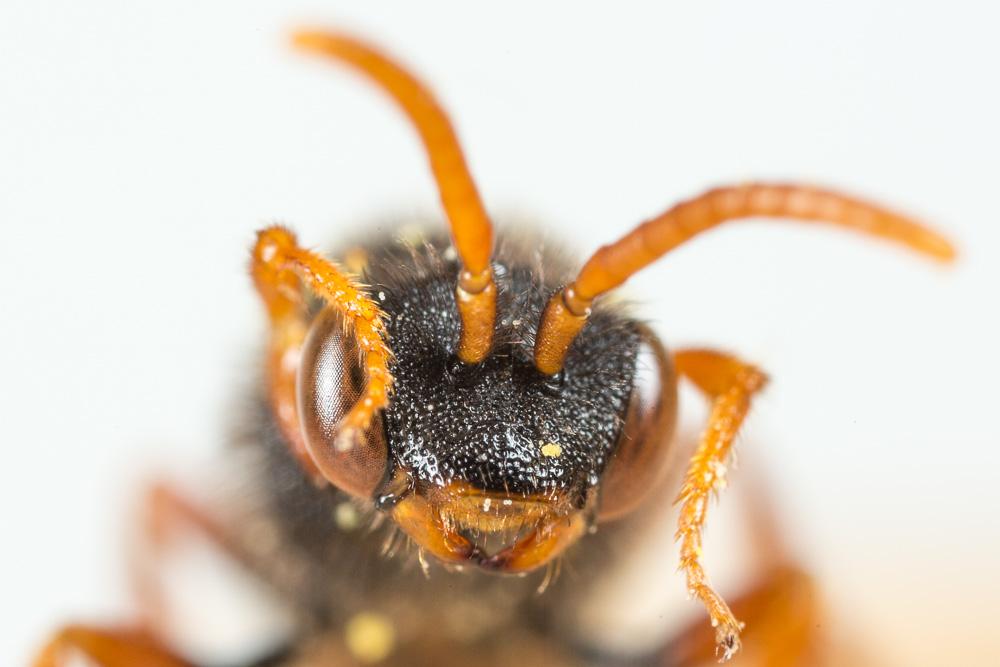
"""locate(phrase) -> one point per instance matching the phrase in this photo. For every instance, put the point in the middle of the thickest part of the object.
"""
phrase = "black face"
(492, 464)
(499, 425)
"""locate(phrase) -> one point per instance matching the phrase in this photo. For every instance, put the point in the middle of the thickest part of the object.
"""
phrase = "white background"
(142, 143)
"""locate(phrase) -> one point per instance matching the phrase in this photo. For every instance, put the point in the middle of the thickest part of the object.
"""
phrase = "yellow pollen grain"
(369, 637)
(552, 450)
(346, 516)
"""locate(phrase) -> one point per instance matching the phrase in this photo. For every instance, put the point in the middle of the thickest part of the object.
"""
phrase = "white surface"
(142, 143)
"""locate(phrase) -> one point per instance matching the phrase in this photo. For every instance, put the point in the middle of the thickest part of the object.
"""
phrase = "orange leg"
(279, 267)
(730, 384)
(166, 515)
(106, 647)
(168, 511)
(782, 614)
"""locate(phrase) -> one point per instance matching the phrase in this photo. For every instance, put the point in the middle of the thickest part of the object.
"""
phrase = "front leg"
(730, 384)
(281, 268)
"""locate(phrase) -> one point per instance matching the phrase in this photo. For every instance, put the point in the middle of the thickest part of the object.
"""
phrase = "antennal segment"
(613, 264)
(471, 230)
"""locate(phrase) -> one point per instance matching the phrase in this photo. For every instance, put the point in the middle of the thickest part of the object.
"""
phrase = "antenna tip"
(310, 39)
(937, 246)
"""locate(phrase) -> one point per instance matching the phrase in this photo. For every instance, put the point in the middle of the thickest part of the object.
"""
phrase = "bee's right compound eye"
(331, 379)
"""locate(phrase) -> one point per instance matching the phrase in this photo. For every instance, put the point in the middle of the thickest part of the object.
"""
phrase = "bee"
(478, 404)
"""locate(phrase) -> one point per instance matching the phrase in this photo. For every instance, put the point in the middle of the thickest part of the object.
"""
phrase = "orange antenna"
(471, 230)
(612, 265)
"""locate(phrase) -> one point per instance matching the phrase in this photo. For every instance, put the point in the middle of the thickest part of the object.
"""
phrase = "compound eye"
(644, 446)
(331, 378)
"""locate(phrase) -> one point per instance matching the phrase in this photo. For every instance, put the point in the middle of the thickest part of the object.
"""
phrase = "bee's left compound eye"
(644, 447)
(331, 379)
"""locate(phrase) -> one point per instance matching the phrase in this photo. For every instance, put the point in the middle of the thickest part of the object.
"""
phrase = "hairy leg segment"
(280, 268)
(729, 384)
